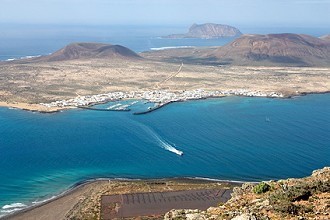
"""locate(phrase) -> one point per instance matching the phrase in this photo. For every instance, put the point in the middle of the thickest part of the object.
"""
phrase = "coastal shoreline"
(79, 188)
(39, 108)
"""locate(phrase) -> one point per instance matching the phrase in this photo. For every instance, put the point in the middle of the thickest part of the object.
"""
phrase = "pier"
(152, 109)
(104, 109)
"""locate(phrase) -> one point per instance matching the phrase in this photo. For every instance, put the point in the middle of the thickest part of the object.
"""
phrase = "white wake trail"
(172, 149)
(160, 141)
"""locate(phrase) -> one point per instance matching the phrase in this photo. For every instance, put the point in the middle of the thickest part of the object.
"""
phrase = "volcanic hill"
(296, 50)
(275, 49)
(89, 51)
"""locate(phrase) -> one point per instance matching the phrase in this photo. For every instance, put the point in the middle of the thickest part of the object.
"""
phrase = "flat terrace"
(158, 203)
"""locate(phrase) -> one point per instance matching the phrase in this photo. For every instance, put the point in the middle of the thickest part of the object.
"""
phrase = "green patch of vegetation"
(286, 207)
(261, 188)
(283, 200)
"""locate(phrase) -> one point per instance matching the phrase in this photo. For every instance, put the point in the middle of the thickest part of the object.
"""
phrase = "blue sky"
(168, 12)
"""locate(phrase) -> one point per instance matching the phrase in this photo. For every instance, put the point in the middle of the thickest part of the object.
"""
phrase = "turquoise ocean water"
(233, 138)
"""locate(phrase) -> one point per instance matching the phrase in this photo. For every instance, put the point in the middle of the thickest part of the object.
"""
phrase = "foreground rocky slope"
(306, 198)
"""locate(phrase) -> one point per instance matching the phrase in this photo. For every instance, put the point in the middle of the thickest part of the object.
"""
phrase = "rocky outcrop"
(188, 214)
(208, 31)
(306, 198)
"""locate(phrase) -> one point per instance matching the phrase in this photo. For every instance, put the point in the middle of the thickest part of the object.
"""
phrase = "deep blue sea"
(233, 138)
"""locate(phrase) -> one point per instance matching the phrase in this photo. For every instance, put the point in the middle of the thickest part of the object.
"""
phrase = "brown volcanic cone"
(275, 49)
(88, 51)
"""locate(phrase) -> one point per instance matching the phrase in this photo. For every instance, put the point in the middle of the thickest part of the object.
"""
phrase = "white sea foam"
(6, 209)
(11, 59)
(45, 200)
(28, 57)
(220, 180)
(23, 58)
(167, 48)
(14, 205)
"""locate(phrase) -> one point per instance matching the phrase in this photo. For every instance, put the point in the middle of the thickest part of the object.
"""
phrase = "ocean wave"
(167, 48)
(14, 205)
(219, 180)
(7, 211)
(43, 201)
(11, 59)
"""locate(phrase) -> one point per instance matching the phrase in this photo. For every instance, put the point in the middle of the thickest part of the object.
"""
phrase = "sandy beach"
(32, 107)
(83, 201)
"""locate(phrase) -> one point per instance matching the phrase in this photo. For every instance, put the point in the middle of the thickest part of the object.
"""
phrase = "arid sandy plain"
(26, 84)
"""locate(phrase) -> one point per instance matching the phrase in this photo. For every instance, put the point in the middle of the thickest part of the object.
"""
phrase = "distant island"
(208, 31)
